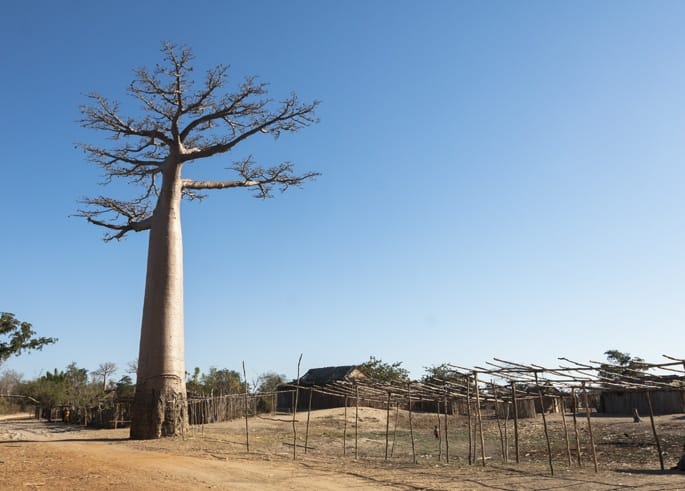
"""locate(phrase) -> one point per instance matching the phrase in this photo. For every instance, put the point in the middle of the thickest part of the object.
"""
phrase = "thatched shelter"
(315, 381)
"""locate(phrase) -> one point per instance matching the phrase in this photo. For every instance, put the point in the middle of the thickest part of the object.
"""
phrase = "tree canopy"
(185, 121)
(388, 372)
(621, 366)
(17, 336)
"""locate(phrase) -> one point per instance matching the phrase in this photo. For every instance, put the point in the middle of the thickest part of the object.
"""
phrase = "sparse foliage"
(125, 387)
(621, 367)
(222, 381)
(185, 122)
(17, 336)
(267, 382)
(388, 372)
(443, 372)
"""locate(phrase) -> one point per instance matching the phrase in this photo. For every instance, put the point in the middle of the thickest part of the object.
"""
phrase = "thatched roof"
(329, 375)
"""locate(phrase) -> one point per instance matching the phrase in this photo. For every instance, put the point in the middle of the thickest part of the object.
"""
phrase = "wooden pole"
(247, 433)
(563, 421)
(575, 425)
(394, 431)
(506, 432)
(296, 402)
(345, 430)
(656, 436)
(499, 425)
(516, 420)
(480, 419)
(589, 426)
(387, 426)
(447, 442)
(411, 425)
(437, 427)
(544, 423)
(309, 412)
(356, 422)
(468, 414)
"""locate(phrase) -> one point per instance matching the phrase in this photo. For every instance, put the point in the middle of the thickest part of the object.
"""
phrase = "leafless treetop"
(184, 122)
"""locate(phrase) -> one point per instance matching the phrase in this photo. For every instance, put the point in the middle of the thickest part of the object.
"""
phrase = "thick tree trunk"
(160, 407)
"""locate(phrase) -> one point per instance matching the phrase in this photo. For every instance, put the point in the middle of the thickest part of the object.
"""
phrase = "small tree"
(222, 381)
(50, 390)
(9, 381)
(17, 336)
(387, 372)
(193, 383)
(105, 370)
(621, 367)
(267, 382)
(444, 373)
(125, 387)
(183, 123)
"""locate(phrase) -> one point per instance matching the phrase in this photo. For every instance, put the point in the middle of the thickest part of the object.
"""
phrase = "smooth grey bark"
(160, 407)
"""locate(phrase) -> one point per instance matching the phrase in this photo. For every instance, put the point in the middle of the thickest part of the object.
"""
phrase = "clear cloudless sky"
(499, 179)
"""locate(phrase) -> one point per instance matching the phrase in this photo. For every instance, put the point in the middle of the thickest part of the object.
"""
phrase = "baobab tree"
(105, 370)
(182, 122)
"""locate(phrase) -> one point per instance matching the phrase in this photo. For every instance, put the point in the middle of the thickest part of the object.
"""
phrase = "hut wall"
(525, 407)
(550, 404)
(623, 403)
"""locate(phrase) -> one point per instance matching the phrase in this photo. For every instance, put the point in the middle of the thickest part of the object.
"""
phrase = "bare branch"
(183, 123)
(291, 117)
(262, 179)
(120, 216)
(103, 115)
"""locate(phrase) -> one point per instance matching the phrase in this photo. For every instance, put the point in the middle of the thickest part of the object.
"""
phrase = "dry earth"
(40, 455)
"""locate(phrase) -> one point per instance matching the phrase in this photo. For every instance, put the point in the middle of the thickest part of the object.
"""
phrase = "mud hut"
(315, 381)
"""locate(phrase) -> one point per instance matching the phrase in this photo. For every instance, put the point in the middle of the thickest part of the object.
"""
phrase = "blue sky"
(499, 179)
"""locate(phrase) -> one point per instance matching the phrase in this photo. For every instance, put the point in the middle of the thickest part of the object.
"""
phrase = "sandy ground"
(40, 455)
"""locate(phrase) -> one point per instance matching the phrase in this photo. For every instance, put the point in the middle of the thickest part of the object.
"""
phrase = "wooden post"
(387, 425)
(309, 412)
(575, 425)
(356, 422)
(297, 395)
(544, 423)
(468, 414)
(506, 432)
(247, 433)
(516, 420)
(411, 425)
(394, 431)
(480, 419)
(447, 442)
(563, 421)
(589, 426)
(345, 430)
(437, 427)
(499, 425)
(656, 437)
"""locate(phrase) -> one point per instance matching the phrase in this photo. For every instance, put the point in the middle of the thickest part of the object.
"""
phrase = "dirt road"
(38, 455)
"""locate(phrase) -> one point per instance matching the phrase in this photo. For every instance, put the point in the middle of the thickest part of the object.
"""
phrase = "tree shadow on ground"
(62, 440)
(650, 472)
(526, 479)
